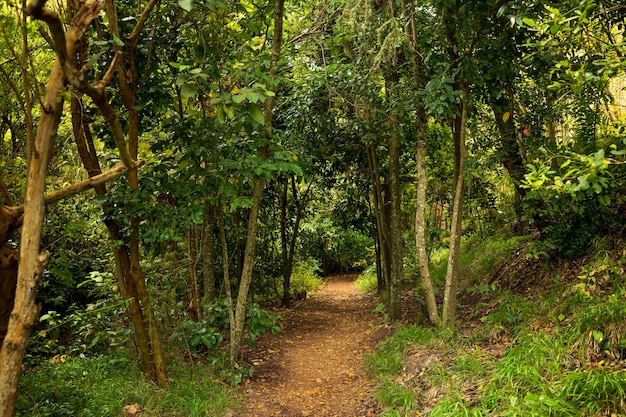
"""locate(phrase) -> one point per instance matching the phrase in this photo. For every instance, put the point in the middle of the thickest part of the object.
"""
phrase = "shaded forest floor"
(314, 367)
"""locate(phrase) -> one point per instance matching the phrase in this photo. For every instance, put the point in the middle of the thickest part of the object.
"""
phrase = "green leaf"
(117, 41)
(219, 112)
(186, 5)
(598, 158)
(256, 113)
(238, 98)
(230, 111)
(598, 336)
(189, 90)
(197, 214)
(555, 28)
(502, 10)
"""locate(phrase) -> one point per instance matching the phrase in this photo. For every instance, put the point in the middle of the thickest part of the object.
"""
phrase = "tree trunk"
(452, 273)
(25, 313)
(236, 328)
(283, 244)
(385, 213)
(420, 221)
(208, 255)
(395, 283)
(236, 332)
(382, 227)
(128, 82)
(422, 175)
(226, 269)
(128, 290)
(510, 151)
(288, 243)
(193, 255)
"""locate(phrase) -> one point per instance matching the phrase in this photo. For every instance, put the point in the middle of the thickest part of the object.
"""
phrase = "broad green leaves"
(577, 173)
(228, 104)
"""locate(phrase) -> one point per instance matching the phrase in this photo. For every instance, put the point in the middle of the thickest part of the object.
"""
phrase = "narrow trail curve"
(314, 367)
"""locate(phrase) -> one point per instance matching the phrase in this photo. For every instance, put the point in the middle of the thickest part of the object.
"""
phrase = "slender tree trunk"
(288, 243)
(208, 255)
(128, 82)
(392, 78)
(452, 273)
(283, 244)
(32, 262)
(420, 223)
(422, 175)
(394, 192)
(510, 151)
(248, 259)
(193, 254)
(382, 228)
(128, 290)
(226, 269)
(385, 213)
(236, 329)
(395, 284)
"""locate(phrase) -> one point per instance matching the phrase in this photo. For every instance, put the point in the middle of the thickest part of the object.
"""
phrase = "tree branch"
(133, 38)
(117, 171)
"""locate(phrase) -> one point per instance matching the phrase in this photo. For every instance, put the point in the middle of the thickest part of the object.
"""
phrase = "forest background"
(236, 149)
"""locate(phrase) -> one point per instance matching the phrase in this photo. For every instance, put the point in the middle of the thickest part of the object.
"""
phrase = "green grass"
(555, 351)
(367, 281)
(102, 386)
(480, 258)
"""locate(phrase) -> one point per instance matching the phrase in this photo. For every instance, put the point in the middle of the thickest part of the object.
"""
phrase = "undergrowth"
(305, 277)
(558, 349)
(367, 281)
(103, 386)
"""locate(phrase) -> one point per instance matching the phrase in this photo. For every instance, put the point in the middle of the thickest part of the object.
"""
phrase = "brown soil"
(314, 367)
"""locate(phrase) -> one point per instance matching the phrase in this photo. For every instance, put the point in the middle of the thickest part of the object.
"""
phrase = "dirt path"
(314, 366)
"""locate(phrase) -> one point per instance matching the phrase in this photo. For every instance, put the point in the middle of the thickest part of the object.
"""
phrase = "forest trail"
(314, 366)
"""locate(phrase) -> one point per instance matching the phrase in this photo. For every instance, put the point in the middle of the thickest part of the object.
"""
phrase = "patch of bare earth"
(314, 367)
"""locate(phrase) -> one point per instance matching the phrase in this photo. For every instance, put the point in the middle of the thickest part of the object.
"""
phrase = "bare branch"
(79, 187)
(106, 79)
(14, 212)
(133, 38)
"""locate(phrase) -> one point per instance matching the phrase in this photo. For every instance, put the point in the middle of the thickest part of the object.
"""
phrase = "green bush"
(304, 276)
(260, 321)
(198, 335)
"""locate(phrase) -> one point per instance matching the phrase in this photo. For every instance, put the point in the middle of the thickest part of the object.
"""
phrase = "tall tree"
(421, 121)
(236, 333)
(32, 261)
